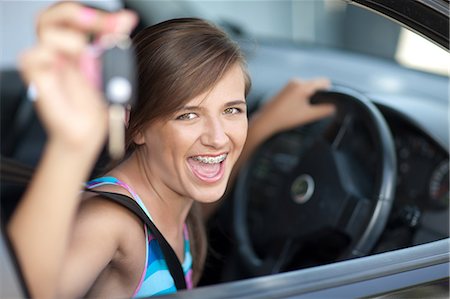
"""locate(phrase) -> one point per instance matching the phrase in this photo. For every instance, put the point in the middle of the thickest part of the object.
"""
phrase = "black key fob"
(119, 73)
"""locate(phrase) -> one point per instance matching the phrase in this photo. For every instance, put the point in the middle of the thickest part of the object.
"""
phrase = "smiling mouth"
(208, 168)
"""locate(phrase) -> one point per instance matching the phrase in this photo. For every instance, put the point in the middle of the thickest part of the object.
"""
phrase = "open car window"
(398, 70)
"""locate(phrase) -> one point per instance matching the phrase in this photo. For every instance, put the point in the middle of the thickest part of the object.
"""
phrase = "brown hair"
(178, 60)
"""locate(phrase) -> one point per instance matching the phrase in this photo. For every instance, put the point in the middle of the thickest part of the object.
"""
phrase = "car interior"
(380, 165)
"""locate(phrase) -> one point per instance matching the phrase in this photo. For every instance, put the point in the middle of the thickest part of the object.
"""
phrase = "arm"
(96, 246)
(288, 109)
(74, 115)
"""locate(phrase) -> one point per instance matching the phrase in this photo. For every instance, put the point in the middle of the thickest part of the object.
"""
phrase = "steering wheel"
(326, 188)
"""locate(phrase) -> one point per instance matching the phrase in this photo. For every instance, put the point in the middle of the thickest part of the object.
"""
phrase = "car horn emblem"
(302, 188)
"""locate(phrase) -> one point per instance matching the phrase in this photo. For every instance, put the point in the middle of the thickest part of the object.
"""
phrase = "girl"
(184, 136)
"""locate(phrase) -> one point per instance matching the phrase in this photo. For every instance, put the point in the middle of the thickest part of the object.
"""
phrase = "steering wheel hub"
(302, 188)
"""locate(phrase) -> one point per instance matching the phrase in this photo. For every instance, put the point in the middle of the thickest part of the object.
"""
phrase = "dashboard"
(423, 168)
(421, 206)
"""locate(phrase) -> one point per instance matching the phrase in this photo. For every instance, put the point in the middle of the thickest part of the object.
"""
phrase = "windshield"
(328, 23)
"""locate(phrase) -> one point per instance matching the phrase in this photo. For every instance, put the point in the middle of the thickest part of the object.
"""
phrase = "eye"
(187, 116)
(232, 110)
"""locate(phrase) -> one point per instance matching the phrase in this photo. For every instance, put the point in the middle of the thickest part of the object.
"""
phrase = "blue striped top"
(156, 278)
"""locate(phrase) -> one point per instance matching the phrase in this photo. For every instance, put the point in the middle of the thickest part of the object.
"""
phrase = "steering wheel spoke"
(283, 257)
(336, 133)
(354, 212)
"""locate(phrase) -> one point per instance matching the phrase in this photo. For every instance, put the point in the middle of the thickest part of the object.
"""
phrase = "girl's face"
(192, 154)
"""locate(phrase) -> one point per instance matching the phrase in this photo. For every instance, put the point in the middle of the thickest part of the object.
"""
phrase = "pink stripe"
(151, 237)
(90, 66)
(145, 267)
(189, 283)
(185, 232)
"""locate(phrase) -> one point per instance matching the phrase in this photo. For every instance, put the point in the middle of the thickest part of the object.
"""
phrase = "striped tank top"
(156, 278)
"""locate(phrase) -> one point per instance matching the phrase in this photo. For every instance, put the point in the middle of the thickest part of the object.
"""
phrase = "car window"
(332, 24)
(404, 74)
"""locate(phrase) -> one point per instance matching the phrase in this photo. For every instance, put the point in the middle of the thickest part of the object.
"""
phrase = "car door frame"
(362, 277)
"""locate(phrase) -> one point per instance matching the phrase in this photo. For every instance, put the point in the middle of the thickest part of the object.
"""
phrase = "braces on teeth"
(210, 160)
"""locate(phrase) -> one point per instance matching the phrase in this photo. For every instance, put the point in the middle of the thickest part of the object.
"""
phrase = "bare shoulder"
(124, 223)
(104, 214)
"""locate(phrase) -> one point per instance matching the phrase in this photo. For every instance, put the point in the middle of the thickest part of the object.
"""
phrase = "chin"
(207, 192)
(209, 196)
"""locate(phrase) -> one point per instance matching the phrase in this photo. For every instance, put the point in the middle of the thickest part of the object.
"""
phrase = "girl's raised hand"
(64, 70)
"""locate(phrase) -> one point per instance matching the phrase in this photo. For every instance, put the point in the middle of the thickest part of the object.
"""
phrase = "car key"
(118, 78)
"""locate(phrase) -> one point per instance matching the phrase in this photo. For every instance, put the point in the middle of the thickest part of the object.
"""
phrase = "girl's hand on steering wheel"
(291, 107)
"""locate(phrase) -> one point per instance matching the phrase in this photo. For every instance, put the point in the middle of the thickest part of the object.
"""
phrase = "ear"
(139, 138)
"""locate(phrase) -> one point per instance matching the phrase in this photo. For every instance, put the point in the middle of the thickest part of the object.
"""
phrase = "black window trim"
(428, 18)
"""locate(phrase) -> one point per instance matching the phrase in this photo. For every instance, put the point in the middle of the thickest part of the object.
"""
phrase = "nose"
(214, 133)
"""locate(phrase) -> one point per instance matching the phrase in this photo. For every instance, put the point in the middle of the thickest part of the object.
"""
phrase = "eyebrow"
(236, 103)
(228, 104)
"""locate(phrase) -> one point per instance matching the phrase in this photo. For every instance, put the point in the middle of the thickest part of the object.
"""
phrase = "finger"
(65, 40)
(43, 63)
(321, 111)
(37, 60)
(83, 96)
(40, 66)
(48, 58)
(86, 97)
(322, 83)
(314, 85)
(87, 20)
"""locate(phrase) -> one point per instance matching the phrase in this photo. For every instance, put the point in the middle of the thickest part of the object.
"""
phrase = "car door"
(421, 269)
